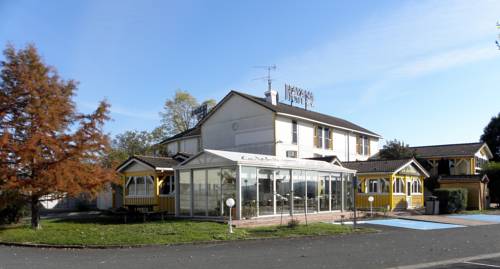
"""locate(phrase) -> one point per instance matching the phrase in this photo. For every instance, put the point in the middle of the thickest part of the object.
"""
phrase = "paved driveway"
(389, 248)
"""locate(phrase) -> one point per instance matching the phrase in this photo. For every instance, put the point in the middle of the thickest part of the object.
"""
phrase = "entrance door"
(408, 194)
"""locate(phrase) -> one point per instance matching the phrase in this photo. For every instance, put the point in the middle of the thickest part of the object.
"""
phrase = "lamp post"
(370, 199)
(230, 203)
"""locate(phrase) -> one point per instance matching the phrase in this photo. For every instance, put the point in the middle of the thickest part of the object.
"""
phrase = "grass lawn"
(90, 232)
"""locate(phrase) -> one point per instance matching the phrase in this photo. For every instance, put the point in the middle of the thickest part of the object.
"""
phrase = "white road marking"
(482, 264)
(451, 261)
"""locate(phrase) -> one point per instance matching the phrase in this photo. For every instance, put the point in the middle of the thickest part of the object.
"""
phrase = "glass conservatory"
(262, 185)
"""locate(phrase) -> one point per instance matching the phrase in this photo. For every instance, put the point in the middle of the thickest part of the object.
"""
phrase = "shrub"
(12, 207)
(293, 223)
(451, 200)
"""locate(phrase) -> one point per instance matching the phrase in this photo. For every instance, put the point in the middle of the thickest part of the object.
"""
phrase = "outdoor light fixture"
(230, 203)
(371, 199)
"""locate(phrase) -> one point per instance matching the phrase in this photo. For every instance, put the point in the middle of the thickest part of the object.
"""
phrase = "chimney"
(272, 97)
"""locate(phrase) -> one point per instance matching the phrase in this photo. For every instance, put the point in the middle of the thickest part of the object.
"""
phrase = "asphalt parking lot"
(392, 247)
(471, 264)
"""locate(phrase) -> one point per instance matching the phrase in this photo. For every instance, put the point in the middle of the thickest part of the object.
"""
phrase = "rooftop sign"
(298, 95)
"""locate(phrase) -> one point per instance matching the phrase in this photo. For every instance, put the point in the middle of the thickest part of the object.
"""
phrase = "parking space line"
(451, 261)
(482, 264)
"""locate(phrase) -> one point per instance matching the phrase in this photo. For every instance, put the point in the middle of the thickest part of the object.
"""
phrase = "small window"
(398, 186)
(416, 187)
(294, 132)
(373, 186)
(140, 186)
(377, 186)
(328, 138)
(291, 154)
(362, 145)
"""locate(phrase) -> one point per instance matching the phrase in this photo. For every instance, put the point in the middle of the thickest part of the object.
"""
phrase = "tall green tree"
(46, 146)
(132, 143)
(492, 169)
(491, 136)
(395, 149)
(177, 115)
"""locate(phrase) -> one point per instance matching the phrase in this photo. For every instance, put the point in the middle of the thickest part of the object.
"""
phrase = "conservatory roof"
(209, 157)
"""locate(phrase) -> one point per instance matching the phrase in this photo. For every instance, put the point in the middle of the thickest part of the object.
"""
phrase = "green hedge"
(451, 200)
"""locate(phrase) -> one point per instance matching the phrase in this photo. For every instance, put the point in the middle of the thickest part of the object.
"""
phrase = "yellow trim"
(391, 192)
(140, 173)
(472, 166)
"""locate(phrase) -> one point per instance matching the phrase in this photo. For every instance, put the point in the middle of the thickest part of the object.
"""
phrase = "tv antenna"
(496, 41)
(268, 77)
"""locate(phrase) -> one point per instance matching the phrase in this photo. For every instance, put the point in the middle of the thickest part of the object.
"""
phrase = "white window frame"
(374, 182)
(379, 184)
(364, 146)
(416, 187)
(148, 180)
(401, 186)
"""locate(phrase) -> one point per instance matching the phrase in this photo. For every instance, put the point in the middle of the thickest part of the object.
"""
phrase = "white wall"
(240, 125)
(344, 142)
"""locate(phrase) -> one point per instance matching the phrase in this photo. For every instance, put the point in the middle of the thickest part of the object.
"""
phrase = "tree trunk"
(35, 213)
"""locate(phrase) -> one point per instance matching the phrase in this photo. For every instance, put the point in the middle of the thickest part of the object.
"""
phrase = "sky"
(425, 72)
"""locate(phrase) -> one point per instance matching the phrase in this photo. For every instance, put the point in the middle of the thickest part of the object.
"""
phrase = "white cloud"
(446, 60)
(119, 110)
(416, 39)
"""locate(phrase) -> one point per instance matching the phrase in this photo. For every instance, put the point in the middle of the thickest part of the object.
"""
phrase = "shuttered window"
(323, 137)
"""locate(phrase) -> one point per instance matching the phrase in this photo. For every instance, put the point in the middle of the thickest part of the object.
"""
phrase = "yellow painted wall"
(383, 200)
(157, 202)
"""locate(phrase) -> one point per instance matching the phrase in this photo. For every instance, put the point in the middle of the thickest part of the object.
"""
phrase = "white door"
(408, 194)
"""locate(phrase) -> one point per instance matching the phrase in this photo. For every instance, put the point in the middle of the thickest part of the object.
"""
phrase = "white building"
(250, 124)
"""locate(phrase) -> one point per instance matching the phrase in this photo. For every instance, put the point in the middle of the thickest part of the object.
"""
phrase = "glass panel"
(228, 187)
(249, 191)
(299, 191)
(266, 189)
(312, 191)
(130, 189)
(348, 192)
(199, 193)
(165, 185)
(214, 192)
(283, 191)
(336, 192)
(324, 192)
(185, 193)
(140, 186)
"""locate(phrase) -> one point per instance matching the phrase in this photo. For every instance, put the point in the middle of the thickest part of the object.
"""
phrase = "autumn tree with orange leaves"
(47, 148)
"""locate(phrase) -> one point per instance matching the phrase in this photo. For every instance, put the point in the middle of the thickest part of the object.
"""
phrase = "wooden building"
(394, 184)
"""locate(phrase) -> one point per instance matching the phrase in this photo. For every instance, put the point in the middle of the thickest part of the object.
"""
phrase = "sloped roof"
(195, 131)
(268, 161)
(308, 114)
(295, 111)
(458, 178)
(450, 150)
(157, 163)
(376, 166)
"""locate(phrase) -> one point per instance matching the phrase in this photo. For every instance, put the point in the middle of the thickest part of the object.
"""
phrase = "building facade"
(250, 124)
